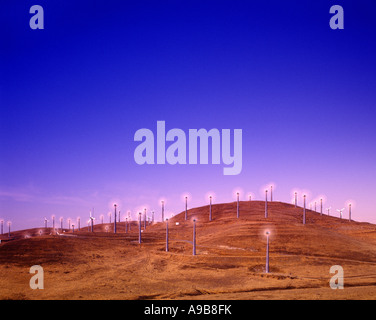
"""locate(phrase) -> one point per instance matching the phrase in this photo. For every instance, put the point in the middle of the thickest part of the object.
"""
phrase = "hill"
(230, 260)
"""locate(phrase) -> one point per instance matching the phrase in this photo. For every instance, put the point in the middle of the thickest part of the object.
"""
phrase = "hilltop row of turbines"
(147, 220)
(150, 219)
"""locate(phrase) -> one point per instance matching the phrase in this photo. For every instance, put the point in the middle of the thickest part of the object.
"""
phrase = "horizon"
(333, 212)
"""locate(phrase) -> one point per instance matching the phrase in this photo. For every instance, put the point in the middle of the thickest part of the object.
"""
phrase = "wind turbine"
(271, 193)
(267, 233)
(186, 207)
(167, 235)
(92, 222)
(340, 212)
(210, 210)
(115, 205)
(237, 204)
(266, 203)
(139, 227)
(194, 237)
(304, 209)
(349, 211)
(45, 222)
(162, 202)
(126, 225)
(328, 209)
(321, 206)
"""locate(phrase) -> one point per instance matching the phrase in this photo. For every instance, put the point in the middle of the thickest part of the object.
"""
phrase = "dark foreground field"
(229, 264)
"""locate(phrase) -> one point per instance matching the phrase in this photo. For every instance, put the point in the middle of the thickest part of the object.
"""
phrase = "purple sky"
(73, 95)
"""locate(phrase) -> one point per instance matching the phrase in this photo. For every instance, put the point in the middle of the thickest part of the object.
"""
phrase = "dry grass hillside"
(230, 260)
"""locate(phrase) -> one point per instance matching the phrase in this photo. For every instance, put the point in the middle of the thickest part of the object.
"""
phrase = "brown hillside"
(229, 264)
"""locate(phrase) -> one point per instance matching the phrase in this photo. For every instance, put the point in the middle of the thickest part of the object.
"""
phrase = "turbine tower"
(267, 233)
(126, 225)
(115, 205)
(194, 237)
(92, 222)
(340, 212)
(266, 204)
(321, 206)
(271, 193)
(237, 204)
(166, 235)
(139, 227)
(349, 211)
(304, 210)
(186, 207)
(210, 208)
